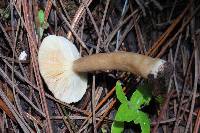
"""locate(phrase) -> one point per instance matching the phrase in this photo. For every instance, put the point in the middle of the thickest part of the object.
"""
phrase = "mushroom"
(65, 72)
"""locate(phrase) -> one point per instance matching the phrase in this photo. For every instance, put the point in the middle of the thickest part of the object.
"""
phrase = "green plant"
(129, 111)
(41, 17)
(42, 24)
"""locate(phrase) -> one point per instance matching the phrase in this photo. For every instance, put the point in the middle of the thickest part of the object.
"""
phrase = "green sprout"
(41, 17)
(129, 111)
(42, 24)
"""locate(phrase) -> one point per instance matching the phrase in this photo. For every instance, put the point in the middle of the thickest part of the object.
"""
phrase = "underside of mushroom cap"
(56, 56)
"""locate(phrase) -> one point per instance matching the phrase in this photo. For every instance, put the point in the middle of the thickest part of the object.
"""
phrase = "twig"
(119, 25)
(98, 106)
(77, 17)
(33, 50)
(170, 43)
(162, 112)
(128, 28)
(141, 5)
(165, 121)
(70, 27)
(11, 83)
(62, 5)
(92, 19)
(93, 105)
(14, 41)
(165, 35)
(25, 127)
(156, 3)
(172, 10)
(68, 124)
(4, 107)
(183, 94)
(106, 113)
(196, 53)
(47, 10)
(102, 25)
(67, 105)
(197, 123)
(119, 31)
(139, 35)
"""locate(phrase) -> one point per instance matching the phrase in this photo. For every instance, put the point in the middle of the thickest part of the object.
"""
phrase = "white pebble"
(22, 56)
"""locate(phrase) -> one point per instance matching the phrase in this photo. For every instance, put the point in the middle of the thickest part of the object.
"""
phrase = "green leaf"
(130, 110)
(41, 17)
(143, 120)
(126, 112)
(117, 127)
(141, 96)
(120, 94)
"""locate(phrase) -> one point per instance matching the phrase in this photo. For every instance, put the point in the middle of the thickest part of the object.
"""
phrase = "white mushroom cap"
(56, 56)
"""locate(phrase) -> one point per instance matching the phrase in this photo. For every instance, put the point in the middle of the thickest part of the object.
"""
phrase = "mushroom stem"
(138, 64)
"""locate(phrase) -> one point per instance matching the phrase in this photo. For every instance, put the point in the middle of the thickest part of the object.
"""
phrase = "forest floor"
(163, 29)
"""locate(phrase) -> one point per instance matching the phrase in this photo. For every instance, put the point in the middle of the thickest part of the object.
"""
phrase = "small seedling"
(129, 111)
(42, 24)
